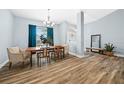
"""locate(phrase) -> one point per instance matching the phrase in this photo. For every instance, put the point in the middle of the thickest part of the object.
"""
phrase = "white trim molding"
(119, 55)
(80, 56)
(74, 54)
(3, 63)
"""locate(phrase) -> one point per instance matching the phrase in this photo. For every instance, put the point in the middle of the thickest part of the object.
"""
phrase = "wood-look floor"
(88, 70)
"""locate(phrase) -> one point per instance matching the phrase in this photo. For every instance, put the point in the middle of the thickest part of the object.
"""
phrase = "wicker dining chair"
(16, 54)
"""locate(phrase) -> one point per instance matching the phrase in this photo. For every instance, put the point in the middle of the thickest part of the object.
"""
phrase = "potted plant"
(43, 39)
(109, 49)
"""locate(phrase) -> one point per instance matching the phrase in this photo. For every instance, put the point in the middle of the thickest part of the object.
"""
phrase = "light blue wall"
(63, 28)
(56, 34)
(6, 33)
(21, 31)
(111, 28)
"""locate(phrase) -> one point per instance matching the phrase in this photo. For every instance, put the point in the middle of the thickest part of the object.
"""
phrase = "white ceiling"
(59, 15)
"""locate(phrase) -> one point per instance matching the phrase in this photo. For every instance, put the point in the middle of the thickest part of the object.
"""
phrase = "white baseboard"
(4, 63)
(72, 53)
(119, 55)
(116, 54)
(80, 56)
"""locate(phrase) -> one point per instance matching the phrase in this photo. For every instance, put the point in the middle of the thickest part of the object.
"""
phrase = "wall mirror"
(95, 41)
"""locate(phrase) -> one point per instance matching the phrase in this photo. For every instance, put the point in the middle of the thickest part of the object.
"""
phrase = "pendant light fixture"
(48, 22)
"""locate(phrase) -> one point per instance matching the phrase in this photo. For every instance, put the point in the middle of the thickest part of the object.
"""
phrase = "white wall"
(72, 29)
(63, 28)
(56, 34)
(111, 28)
(6, 33)
(21, 31)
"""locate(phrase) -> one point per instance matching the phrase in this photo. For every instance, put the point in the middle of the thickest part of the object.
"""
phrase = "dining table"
(33, 50)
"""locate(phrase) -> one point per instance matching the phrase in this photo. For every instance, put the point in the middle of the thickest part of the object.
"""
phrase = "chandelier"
(48, 23)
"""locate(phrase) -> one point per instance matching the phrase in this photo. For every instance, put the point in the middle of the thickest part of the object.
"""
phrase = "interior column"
(80, 34)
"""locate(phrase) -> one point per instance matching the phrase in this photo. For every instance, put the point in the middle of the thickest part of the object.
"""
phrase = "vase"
(109, 53)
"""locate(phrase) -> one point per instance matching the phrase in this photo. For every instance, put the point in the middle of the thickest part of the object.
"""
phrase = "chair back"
(66, 48)
(12, 50)
(44, 52)
(58, 48)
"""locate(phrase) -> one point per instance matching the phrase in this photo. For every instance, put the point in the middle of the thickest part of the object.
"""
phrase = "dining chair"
(16, 54)
(66, 49)
(58, 52)
(43, 54)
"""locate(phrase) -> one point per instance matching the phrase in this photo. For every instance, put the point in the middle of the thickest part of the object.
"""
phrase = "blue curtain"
(50, 35)
(32, 36)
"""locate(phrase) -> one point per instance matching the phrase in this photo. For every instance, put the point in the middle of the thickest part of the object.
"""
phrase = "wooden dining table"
(33, 50)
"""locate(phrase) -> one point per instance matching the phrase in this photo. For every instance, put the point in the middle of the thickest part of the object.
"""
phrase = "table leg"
(31, 59)
(63, 52)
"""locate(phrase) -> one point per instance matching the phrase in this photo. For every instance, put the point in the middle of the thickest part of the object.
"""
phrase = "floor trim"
(119, 55)
(3, 63)
(72, 53)
(79, 56)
